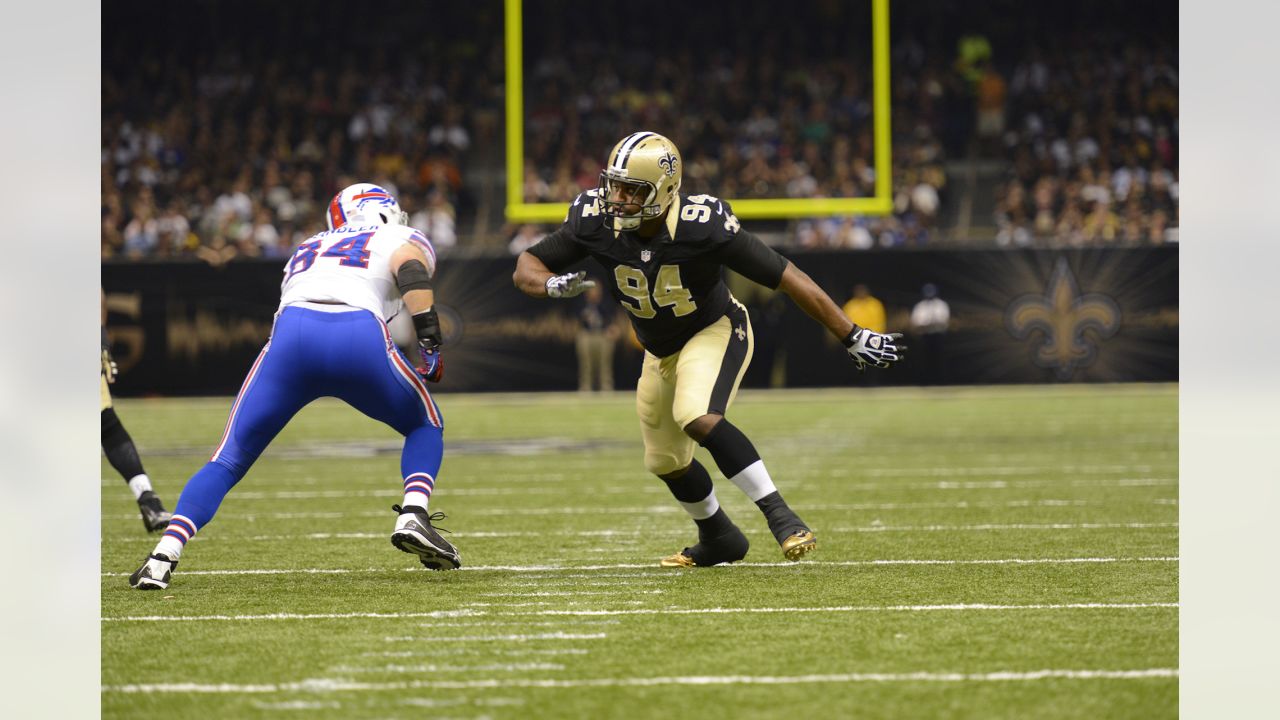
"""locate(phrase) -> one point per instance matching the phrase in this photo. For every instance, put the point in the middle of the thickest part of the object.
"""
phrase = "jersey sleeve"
(746, 254)
(396, 235)
(563, 247)
(420, 241)
(558, 250)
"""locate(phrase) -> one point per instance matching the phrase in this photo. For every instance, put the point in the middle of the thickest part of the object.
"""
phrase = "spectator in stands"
(865, 309)
(991, 91)
(597, 335)
(930, 320)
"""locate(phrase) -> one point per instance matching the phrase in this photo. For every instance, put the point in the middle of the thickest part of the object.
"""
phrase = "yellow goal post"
(749, 209)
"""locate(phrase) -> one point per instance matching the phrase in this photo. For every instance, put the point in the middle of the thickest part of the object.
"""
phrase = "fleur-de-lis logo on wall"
(1062, 316)
(668, 163)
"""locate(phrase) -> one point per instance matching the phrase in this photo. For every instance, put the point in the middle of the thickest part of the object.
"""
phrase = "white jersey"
(351, 266)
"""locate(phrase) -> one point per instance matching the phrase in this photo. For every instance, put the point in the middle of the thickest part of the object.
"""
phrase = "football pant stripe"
(734, 360)
(235, 407)
(415, 381)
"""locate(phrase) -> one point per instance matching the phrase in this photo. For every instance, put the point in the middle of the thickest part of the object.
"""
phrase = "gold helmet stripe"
(624, 151)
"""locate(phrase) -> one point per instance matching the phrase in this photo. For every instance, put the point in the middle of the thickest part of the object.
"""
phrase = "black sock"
(731, 450)
(121, 452)
(714, 526)
(782, 520)
(694, 486)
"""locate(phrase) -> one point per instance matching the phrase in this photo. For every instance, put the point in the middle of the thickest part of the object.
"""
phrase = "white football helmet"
(645, 168)
(365, 204)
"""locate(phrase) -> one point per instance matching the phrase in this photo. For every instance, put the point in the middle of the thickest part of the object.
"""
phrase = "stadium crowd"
(217, 153)
(1091, 142)
(783, 114)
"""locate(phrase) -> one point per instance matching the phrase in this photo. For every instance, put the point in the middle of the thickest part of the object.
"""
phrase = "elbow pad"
(413, 275)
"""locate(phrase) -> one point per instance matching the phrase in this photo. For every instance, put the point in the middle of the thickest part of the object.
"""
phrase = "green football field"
(986, 553)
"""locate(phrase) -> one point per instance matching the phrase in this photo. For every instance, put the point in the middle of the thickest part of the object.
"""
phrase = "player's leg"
(380, 382)
(582, 345)
(606, 363)
(710, 368)
(668, 453)
(275, 389)
(123, 456)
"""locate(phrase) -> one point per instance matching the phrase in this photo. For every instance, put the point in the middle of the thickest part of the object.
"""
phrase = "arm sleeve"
(558, 250)
(748, 256)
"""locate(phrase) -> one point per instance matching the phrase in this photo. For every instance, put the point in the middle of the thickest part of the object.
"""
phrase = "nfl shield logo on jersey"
(645, 255)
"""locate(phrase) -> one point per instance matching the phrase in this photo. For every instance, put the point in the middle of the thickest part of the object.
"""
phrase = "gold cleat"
(679, 560)
(797, 545)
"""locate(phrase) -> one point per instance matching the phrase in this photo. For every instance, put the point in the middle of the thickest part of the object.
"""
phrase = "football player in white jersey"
(330, 338)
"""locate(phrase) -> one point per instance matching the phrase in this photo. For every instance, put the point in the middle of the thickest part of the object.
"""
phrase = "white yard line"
(671, 508)
(809, 470)
(571, 593)
(330, 685)
(295, 616)
(649, 532)
(436, 668)
(962, 607)
(646, 488)
(1009, 526)
(658, 572)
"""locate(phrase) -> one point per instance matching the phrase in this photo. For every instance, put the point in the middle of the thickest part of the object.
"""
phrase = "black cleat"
(154, 516)
(154, 574)
(415, 534)
(730, 547)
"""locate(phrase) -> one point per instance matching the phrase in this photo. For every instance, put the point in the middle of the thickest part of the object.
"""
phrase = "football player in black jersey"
(663, 254)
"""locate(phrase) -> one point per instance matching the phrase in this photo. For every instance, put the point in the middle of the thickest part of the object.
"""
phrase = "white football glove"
(873, 348)
(568, 285)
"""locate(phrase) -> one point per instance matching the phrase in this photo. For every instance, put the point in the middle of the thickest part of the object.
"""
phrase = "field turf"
(988, 552)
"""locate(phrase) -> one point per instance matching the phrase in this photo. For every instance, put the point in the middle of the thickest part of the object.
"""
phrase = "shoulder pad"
(401, 234)
(586, 214)
(706, 218)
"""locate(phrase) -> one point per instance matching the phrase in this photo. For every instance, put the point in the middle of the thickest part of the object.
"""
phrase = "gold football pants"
(701, 378)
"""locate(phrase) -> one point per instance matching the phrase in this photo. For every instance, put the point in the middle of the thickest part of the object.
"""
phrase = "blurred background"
(1033, 228)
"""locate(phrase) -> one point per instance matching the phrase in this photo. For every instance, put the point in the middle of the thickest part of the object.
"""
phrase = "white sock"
(702, 509)
(139, 485)
(169, 545)
(416, 499)
(754, 480)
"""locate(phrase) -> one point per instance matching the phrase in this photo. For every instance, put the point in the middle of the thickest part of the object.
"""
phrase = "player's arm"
(539, 270)
(109, 367)
(747, 255)
(413, 272)
(814, 301)
(864, 346)
(534, 275)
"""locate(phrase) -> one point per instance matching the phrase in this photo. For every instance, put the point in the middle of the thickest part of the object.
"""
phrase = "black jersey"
(671, 284)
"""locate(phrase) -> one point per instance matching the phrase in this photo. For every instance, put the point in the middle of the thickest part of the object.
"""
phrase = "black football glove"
(873, 348)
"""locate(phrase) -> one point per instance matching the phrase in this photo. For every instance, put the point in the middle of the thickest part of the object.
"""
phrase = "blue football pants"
(313, 354)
